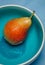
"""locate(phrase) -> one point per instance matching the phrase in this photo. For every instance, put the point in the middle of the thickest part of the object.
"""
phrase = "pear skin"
(15, 30)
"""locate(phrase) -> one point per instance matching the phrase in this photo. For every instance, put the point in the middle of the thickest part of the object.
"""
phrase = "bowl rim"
(41, 47)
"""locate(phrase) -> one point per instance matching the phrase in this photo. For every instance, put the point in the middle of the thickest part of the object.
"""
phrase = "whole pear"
(16, 29)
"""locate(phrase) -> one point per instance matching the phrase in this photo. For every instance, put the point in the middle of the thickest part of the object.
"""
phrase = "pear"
(16, 29)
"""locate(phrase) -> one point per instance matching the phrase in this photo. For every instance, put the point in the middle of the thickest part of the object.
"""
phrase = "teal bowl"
(30, 49)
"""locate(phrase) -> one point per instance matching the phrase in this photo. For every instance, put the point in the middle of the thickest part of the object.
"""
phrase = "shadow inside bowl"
(10, 51)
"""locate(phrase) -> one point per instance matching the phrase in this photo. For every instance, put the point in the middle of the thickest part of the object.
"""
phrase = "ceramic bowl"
(30, 49)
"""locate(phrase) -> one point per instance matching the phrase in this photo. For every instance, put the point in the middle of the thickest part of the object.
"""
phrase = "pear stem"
(32, 14)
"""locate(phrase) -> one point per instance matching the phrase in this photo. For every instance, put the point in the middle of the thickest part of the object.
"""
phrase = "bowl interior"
(13, 55)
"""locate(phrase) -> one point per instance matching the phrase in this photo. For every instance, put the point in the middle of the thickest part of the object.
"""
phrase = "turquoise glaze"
(14, 55)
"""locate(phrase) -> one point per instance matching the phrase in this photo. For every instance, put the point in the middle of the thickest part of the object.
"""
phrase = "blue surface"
(39, 7)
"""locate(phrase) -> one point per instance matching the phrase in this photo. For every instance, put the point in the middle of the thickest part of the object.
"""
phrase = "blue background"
(39, 7)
